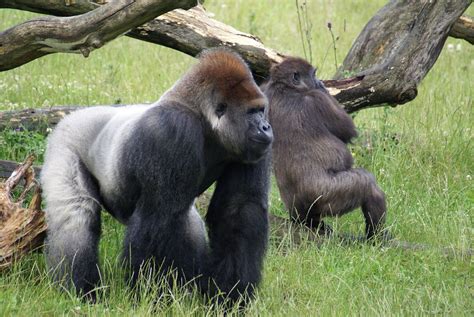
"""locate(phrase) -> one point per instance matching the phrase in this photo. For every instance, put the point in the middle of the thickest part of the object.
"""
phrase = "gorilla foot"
(382, 236)
(323, 229)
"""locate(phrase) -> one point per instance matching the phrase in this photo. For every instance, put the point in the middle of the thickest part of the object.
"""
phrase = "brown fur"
(220, 88)
(228, 72)
(312, 163)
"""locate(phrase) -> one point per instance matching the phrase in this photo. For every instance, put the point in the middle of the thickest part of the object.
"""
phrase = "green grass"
(421, 153)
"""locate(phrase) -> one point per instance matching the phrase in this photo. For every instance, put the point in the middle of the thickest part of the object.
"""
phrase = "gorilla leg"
(73, 217)
(169, 242)
(304, 213)
(342, 192)
(237, 220)
(374, 209)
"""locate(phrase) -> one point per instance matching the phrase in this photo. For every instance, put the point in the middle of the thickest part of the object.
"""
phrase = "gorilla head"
(231, 102)
(296, 73)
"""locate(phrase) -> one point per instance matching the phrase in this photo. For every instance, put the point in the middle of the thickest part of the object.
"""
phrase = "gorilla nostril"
(265, 127)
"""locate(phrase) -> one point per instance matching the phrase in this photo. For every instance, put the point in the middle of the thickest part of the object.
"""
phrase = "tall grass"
(421, 153)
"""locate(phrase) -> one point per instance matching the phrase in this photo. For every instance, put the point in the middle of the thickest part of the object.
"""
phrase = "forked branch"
(388, 65)
(79, 34)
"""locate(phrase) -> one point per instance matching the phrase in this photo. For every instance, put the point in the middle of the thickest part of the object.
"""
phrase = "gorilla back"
(146, 164)
(313, 165)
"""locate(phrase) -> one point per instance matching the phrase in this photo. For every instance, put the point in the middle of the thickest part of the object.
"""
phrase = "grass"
(421, 153)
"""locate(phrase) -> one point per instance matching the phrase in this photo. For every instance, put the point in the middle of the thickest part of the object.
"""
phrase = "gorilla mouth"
(258, 147)
(264, 141)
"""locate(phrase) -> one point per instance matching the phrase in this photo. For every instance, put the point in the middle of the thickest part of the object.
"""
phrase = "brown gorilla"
(312, 163)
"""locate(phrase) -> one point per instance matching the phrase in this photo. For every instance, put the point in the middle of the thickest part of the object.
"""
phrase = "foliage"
(18, 144)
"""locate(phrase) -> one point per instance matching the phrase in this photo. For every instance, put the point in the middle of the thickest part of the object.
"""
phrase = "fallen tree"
(39, 120)
(83, 33)
(21, 229)
(394, 61)
(463, 29)
(381, 78)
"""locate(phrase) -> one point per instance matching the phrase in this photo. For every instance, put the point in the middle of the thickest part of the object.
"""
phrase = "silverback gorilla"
(146, 164)
(312, 163)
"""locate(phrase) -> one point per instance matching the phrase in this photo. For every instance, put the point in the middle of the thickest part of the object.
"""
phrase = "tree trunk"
(79, 34)
(389, 65)
(35, 119)
(396, 49)
(463, 29)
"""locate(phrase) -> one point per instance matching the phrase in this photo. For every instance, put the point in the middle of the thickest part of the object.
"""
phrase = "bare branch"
(193, 31)
(463, 29)
(388, 65)
(79, 34)
(187, 31)
(53, 7)
(395, 51)
(35, 119)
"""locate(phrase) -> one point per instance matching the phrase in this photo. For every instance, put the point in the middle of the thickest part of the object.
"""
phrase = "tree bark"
(7, 168)
(389, 65)
(53, 7)
(463, 29)
(35, 119)
(79, 34)
(193, 31)
(396, 49)
(189, 31)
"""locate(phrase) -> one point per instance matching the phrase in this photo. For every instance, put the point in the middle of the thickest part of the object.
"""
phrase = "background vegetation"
(421, 153)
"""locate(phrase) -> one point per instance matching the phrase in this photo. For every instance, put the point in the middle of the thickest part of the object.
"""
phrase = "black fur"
(238, 225)
(168, 156)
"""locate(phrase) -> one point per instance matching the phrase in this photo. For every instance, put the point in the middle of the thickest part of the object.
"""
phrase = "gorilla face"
(296, 73)
(234, 106)
(259, 134)
(243, 129)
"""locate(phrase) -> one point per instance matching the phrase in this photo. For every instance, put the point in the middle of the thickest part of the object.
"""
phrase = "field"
(421, 153)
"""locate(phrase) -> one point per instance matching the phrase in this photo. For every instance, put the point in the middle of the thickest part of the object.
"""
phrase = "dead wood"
(388, 65)
(78, 34)
(463, 29)
(21, 229)
(39, 120)
(395, 51)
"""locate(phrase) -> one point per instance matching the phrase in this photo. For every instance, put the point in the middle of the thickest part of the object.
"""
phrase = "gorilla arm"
(325, 108)
(167, 174)
(237, 220)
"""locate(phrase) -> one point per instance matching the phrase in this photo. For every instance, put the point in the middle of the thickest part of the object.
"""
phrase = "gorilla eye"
(256, 110)
(221, 109)
(296, 78)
